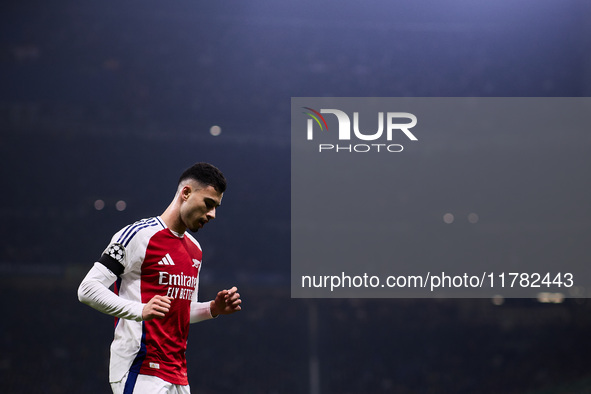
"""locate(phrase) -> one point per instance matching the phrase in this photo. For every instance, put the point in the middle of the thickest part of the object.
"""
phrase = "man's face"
(199, 205)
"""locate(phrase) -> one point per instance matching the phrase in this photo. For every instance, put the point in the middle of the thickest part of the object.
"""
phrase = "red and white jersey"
(156, 261)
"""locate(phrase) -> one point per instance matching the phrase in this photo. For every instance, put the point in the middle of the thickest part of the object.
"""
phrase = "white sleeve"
(94, 291)
(200, 311)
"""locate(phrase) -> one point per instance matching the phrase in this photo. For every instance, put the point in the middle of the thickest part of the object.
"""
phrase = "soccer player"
(155, 265)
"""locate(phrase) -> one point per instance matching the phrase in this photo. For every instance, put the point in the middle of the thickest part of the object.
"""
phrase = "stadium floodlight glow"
(550, 298)
(120, 205)
(498, 300)
(99, 205)
(215, 130)
(448, 218)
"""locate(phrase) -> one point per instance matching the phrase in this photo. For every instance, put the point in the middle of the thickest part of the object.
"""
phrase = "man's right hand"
(157, 307)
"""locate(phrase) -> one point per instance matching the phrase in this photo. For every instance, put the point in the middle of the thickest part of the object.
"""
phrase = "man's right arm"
(94, 291)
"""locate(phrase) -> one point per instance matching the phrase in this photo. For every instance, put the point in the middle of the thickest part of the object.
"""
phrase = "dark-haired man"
(155, 266)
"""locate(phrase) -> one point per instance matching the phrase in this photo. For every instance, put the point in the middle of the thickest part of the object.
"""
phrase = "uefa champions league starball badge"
(116, 251)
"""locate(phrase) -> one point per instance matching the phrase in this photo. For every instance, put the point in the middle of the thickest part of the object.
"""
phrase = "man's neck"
(171, 217)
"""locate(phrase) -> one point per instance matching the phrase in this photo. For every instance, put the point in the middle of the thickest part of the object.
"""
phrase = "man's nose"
(211, 214)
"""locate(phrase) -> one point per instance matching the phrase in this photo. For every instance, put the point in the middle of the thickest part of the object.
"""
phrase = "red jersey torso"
(156, 262)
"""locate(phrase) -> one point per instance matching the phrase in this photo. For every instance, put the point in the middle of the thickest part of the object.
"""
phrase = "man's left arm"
(225, 303)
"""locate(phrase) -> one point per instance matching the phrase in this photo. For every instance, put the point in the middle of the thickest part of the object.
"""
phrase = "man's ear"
(186, 192)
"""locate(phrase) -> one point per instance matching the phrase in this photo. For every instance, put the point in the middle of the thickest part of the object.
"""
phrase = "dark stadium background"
(111, 100)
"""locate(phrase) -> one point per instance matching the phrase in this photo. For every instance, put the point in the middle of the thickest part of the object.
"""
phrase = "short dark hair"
(206, 174)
